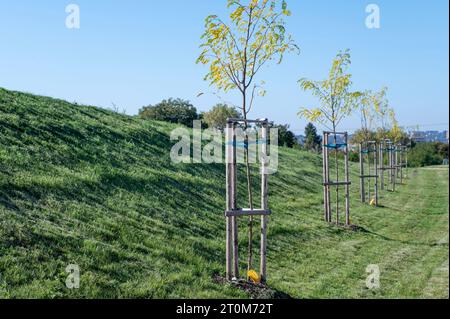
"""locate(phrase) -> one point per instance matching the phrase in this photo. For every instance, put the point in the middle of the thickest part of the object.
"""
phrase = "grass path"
(407, 239)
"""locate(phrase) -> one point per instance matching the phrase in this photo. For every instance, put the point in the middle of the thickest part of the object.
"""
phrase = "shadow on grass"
(400, 210)
(415, 243)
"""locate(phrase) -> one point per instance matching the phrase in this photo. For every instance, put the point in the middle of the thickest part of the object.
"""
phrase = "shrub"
(171, 110)
(353, 156)
(425, 154)
(217, 117)
(285, 136)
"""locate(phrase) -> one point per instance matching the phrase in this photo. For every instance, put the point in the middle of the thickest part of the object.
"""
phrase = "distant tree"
(381, 134)
(396, 132)
(312, 139)
(362, 135)
(368, 112)
(217, 117)
(382, 109)
(426, 154)
(171, 110)
(285, 136)
(442, 150)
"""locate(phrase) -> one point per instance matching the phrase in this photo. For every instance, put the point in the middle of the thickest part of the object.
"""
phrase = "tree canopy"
(237, 48)
(218, 115)
(336, 99)
(171, 110)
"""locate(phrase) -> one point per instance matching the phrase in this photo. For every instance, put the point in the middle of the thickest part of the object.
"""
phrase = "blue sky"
(138, 52)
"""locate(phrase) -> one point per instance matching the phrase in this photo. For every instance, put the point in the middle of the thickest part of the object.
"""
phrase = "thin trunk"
(250, 219)
(337, 173)
(249, 190)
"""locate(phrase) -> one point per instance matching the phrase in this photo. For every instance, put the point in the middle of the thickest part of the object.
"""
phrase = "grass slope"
(83, 185)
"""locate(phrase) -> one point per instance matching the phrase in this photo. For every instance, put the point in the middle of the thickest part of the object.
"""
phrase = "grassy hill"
(82, 185)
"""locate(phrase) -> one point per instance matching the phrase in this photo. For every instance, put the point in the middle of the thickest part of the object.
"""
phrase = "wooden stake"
(375, 156)
(234, 207)
(402, 163)
(347, 187)
(229, 201)
(370, 169)
(324, 178)
(405, 176)
(393, 169)
(397, 163)
(336, 162)
(361, 172)
(327, 158)
(264, 202)
(381, 165)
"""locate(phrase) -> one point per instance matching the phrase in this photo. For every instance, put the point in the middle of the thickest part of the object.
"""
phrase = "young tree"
(312, 139)
(336, 99)
(217, 117)
(368, 114)
(382, 109)
(396, 132)
(337, 102)
(236, 49)
(361, 136)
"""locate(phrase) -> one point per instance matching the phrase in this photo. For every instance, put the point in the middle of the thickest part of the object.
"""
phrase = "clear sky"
(138, 52)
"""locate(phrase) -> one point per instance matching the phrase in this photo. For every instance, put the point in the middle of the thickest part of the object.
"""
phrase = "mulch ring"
(355, 228)
(255, 291)
(352, 227)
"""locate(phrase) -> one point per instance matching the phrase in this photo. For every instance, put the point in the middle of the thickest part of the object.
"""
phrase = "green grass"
(83, 185)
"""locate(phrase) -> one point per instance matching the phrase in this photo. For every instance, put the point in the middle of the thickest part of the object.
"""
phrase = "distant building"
(429, 136)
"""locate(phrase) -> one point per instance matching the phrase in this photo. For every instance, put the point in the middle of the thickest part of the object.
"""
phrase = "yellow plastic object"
(253, 275)
(372, 202)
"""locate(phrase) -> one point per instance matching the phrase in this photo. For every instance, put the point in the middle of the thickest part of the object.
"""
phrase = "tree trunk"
(249, 190)
(250, 219)
(337, 174)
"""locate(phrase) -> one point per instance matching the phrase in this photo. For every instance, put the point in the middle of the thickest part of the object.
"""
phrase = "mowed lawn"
(82, 185)
(407, 239)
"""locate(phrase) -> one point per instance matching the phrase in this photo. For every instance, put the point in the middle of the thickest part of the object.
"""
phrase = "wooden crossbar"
(260, 121)
(386, 168)
(247, 212)
(336, 183)
(336, 133)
